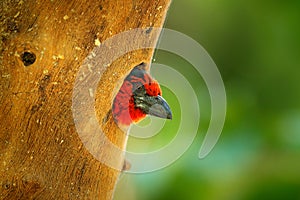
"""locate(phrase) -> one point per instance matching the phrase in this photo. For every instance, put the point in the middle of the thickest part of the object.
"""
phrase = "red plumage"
(138, 96)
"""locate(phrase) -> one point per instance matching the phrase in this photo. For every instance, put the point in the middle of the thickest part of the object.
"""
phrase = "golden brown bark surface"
(42, 46)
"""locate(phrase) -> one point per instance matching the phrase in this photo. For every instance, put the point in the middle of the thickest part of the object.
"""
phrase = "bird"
(139, 95)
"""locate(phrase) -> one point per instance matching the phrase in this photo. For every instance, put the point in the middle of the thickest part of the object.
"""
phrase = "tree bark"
(42, 47)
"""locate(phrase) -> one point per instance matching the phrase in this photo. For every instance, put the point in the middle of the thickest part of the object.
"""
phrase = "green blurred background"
(256, 46)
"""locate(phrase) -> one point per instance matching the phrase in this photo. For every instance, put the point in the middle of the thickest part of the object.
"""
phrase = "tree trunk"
(43, 44)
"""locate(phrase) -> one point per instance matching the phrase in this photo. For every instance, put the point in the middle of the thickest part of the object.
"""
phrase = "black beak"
(155, 106)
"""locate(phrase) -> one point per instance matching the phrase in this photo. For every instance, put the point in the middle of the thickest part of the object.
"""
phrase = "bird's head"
(139, 95)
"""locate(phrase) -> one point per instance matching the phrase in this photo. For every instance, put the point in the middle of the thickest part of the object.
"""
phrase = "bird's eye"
(140, 89)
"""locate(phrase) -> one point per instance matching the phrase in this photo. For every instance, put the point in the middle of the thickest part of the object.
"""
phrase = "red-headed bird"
(138, 96)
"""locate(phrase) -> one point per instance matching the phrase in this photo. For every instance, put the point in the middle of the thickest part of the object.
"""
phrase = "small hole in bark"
(6, 186)
(149, 30)
(28, 58)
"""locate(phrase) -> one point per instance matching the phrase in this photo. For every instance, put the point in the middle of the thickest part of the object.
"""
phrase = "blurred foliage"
(256, 46)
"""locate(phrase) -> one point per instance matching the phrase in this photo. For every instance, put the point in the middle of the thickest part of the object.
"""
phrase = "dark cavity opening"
(28, 58)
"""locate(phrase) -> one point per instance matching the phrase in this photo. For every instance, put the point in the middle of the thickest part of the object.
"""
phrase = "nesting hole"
(28, 58)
